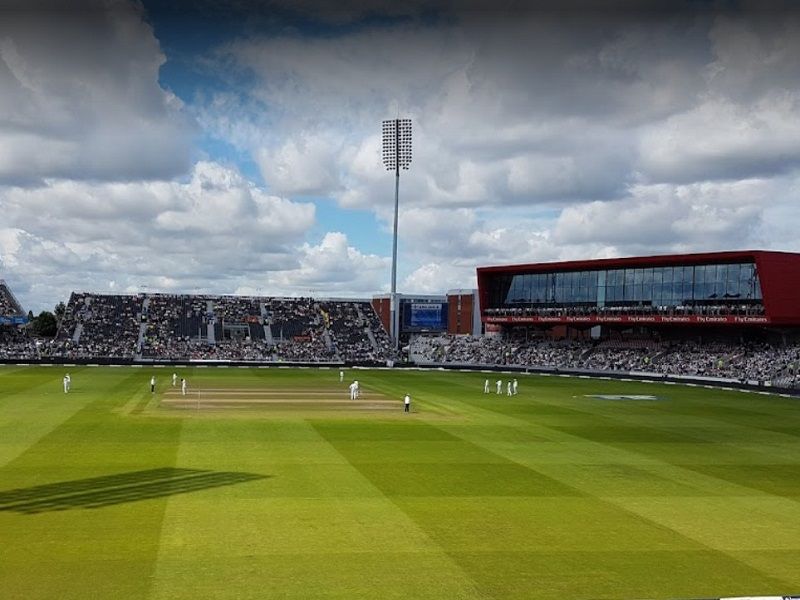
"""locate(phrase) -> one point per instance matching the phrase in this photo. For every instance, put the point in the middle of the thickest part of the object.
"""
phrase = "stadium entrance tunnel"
(97, 492)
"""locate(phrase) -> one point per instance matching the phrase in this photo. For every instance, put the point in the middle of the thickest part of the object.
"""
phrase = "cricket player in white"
(407, 403)
(183, 387)
(499, 386)
(341, 375)
(509, 386)
(66, 384)
(353, 391)
(515, 384)
(358, 388)
(174, 379)
(69, 381)
(486, 387)
(152, 384)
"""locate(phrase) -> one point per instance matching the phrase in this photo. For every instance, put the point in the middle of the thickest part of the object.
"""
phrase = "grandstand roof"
(657, 260)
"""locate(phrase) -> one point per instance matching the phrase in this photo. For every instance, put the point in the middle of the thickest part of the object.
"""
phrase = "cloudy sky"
(235, 147)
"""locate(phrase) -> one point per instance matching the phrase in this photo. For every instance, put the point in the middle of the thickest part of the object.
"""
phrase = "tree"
(45, 324)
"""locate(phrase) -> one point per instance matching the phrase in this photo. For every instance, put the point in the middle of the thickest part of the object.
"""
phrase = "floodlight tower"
(396, 155)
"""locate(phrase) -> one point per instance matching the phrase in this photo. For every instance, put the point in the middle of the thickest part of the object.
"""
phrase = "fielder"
(515, 383)
(174, 379)
(69, 381)
(183, 386)
(509, 387)
(499, 386)
(407, 403)
(341, 375)
(66, 385)
(486, 387)
(152, 384)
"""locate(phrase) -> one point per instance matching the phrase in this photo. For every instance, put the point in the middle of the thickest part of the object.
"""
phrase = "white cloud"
(720, 139)
(446, 246)
(215, 231)
(703, 216)
(80, 96)
(522, 108)
(437, 278)
(472, 145)
(333, 267)
(537, 136)
(304, 164)
(472, 237)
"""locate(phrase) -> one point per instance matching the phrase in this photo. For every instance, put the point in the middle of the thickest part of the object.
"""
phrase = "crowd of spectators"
(238, 309)
(356, 331)
(205, 327)
(314, 349)
(384, 348)
(8, 304)
(171, 323)
(96, 325)
(740, 361)
(15, 344)
(293, 319)
(73, 314)
(299, 330)
(111, 326)
(267, 329)
(241, 350)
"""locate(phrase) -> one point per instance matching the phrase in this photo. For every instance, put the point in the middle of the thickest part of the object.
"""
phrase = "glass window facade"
(651, 286)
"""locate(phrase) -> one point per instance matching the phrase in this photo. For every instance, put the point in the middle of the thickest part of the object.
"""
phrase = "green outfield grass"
(270, 483)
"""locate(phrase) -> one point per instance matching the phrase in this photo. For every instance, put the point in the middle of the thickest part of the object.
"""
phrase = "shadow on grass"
(96, 492)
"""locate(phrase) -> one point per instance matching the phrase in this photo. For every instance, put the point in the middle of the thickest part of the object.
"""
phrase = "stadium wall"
(383, 308)
(463, 315)
(779, 273)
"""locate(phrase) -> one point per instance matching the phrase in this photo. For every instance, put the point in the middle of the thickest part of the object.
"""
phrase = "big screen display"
(426, 315)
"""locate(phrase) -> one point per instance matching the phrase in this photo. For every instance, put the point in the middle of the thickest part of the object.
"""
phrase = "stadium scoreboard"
(422, 315)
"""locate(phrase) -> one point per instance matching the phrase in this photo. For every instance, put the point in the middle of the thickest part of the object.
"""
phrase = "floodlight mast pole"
(394, 328)
(396, 155)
